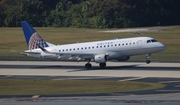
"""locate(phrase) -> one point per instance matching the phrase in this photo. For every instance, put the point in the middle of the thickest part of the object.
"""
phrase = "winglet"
(32, 37)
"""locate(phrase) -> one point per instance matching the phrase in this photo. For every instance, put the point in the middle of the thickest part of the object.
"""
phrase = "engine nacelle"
(123, 58)
(101, 58)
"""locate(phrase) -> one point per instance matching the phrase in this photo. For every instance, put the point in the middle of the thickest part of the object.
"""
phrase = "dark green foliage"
(90, 13)
(33, 11)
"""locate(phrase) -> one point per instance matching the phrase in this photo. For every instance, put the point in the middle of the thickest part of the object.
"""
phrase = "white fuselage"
(115, 49)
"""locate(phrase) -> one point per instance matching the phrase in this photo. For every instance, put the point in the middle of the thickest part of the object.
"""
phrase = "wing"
(77, 56)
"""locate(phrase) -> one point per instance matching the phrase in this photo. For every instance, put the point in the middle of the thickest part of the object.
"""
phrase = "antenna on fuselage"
(115, 38)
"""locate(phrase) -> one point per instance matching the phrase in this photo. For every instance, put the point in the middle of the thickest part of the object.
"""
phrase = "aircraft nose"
(162, 47)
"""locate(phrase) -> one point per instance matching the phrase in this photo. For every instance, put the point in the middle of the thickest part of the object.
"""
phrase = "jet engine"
(101, 58)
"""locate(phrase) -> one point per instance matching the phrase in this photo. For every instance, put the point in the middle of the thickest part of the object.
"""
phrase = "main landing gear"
(102, 65)
(147, 59)
(88, 65)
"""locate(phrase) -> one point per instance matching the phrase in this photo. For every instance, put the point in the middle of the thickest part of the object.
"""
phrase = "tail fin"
(33, 39)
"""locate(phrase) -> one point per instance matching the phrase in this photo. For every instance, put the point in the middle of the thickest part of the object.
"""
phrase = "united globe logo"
(36, 41)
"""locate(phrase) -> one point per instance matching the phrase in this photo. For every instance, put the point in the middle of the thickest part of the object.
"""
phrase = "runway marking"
(133, 78)
(169, 82)
(36, 96)
(78, 78)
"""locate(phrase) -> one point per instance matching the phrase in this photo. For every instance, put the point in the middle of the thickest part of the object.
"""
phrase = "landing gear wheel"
(148, 61)
(147, 57)
(88, 65)
(102, 65)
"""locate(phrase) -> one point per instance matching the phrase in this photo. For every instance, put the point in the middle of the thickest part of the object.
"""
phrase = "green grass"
(12, 41)
(65, 87)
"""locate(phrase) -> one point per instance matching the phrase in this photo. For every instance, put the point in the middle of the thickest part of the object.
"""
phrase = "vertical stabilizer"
(33, 39)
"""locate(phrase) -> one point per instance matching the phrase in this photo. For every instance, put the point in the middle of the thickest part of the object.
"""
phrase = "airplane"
(97, 51)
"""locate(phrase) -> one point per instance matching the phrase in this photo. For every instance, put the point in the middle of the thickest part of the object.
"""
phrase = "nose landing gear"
(147, 59)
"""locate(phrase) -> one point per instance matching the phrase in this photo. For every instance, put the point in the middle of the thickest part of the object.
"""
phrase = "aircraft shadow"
(81, 68)
(131, 67)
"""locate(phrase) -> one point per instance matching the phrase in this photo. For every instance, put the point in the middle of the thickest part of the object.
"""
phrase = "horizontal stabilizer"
(26, 53)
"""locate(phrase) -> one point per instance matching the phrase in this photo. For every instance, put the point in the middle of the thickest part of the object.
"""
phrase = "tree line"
(90, 13)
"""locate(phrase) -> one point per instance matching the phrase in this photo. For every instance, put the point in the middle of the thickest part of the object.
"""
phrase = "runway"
(113, 69)
(166, 73)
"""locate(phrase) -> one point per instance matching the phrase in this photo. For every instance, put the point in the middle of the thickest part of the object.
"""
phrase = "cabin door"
(139, 44)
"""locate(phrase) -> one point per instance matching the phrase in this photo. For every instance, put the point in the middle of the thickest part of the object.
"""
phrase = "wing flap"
(79, 56)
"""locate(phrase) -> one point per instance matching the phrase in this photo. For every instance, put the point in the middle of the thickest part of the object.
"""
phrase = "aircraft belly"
(139, 51)
(114, 55)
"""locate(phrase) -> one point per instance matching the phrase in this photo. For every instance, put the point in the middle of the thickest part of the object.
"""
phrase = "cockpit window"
(148, 41)
(153, 40)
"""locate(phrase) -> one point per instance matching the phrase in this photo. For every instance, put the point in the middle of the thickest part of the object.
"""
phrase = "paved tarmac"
(113, 69)
(167, 73)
